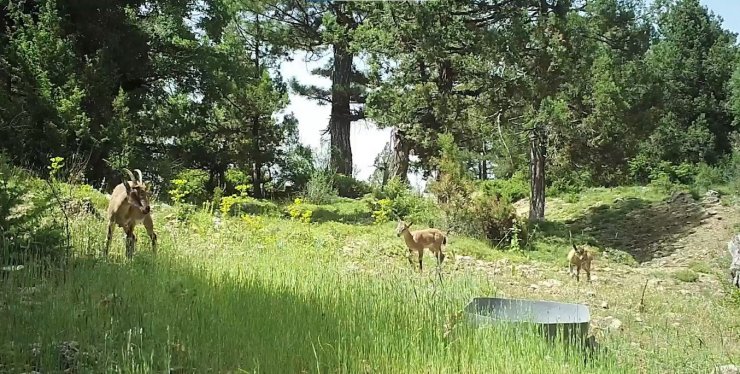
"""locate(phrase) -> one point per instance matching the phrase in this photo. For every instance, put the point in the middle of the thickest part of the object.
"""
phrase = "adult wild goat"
(418, 240)
(128, 206)
(580, 258)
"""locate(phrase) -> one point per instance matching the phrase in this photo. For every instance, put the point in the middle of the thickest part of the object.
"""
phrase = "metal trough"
(569, 321)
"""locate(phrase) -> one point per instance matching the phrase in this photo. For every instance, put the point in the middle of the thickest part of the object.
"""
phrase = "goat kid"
(128, 206)
(418, 240)
(580, 258)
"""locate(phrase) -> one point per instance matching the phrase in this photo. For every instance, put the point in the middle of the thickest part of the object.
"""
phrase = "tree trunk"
(257, 165)
(257, 152)
(339, 122)
(537, 170)
(401, 150)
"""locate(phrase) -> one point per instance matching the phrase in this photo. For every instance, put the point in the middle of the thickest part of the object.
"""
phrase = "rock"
(727, 369)
(605, 305)
(68, 352)
(463, 258)
(711, 197)
(711, 213)
(638, 319)
(611, 324)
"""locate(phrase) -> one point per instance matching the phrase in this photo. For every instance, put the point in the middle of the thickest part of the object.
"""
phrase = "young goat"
(128, 206)
(580, 258)
(418, 240)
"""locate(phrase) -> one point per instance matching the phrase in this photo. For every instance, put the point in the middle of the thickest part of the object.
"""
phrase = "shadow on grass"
(642, 229)
(157, 315)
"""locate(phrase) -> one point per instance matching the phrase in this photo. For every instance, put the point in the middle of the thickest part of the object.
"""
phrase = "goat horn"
(140, 177)
(130, 175)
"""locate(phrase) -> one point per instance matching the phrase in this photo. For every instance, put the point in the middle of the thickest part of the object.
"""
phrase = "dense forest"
(556, 94)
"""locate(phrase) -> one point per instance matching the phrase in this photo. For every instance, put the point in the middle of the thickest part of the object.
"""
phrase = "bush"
(350, 187)
(236, 177)
(640, 168)
(708, 176)
(320, 188)
(484, 212)
(27, 228)
(189, 186)
(568, 181)
(494, 216)
(403, 203)
(86, 191)
(259, 207)
(514, 188)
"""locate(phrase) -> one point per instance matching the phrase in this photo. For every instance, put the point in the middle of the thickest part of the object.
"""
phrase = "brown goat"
(129, 205)
(580, 258)
(418, 240)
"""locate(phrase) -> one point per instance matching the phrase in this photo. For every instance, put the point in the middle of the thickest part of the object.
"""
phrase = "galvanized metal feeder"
(567, 321)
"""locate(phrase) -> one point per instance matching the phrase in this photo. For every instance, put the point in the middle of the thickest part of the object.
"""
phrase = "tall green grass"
(267, 298)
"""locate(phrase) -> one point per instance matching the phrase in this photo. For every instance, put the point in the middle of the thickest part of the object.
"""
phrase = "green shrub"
(238, 203)
(663, 183)
(382, 210)
(484, 212)
(684, 173)
(259, 207)
(568, 182)
(350, 187)
(514, 189)
(86, 191)
(493, 218)
(218, 194)
(640, 168)
(320, 188)
(236, 177)
(404, 203)
(708, 176)
(189, 186)
(686, 275)
(27, 226)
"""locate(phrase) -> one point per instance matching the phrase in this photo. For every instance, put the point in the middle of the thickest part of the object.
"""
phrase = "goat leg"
(111, 227)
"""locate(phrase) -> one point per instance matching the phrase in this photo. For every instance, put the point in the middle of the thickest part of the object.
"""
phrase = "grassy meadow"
(266, 294)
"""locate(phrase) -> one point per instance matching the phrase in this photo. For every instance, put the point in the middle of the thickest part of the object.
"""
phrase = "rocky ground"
(679, 247)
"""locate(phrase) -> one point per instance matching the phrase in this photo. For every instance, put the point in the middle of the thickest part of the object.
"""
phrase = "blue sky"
(367, 141)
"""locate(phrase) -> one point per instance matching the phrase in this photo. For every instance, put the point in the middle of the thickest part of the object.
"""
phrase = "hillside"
(271, 294)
